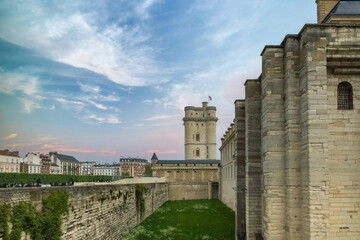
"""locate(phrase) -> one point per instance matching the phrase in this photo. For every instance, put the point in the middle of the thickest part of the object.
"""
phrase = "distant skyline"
(103, 79)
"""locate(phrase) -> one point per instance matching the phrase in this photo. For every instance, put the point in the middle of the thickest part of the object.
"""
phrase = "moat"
(187, 219)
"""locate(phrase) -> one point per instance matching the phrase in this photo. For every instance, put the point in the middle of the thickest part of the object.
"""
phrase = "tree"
(148, 171)
(125, 175)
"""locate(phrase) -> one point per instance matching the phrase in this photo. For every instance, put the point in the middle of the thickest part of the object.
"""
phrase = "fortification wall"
(96, 211)
(187, 191)
(227, 195)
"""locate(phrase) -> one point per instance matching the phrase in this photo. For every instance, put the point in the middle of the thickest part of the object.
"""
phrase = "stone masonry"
(200, 132)
(228, 167)
(303, 183)
(96, 211)
(298, 136)
(253, 171)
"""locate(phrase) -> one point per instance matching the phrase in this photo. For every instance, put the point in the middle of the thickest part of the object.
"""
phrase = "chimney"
(53, 157)
(323, 8)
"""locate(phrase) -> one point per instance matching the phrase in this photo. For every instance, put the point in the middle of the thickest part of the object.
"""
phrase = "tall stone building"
(197, 176)
(200, 132)
(298, 134)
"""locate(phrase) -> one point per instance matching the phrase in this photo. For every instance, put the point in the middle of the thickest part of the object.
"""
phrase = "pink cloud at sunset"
(11, 136)
(62, 148)
(164, 152)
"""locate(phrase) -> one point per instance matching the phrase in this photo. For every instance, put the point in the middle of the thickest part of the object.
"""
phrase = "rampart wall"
(187, 191)
(96, 211)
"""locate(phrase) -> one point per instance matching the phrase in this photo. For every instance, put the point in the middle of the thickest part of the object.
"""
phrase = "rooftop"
(344, 8)
(132, 160)
(67, 158)
(188, 162)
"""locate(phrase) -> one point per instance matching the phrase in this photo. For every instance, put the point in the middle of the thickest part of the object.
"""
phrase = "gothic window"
(198, 152)
(345, 96)
(198, 137)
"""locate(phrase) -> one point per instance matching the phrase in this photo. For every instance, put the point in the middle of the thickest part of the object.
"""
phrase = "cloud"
(71, 104)
(162, 117)
(11, 136)
(49, 147)
(75, 33)
(62, 100)
(21, 81)
(64, 148)
(162, 152)
(110, 119)
(234, 85)
(223, 21)
(29, 105)
(98, 105)
(89, 88)
(15, 145)
(143, 8)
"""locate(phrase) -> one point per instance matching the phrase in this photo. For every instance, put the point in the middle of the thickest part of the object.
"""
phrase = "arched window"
(197, 137)
(345, 96)
(198, 152)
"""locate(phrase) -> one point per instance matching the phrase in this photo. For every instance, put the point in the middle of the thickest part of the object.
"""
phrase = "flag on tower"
(210, 98)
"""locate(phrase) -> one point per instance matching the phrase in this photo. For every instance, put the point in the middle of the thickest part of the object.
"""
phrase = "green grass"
(187, 220)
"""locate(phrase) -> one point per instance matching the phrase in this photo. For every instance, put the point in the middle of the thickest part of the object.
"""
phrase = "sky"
(105, 79)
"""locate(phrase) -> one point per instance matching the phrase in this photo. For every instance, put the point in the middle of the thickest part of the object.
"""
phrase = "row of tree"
(29, 180)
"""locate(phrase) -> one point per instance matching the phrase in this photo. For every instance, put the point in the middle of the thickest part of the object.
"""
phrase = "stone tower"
(323, 8)
(200, 132)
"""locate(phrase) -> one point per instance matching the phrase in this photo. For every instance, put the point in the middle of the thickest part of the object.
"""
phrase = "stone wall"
(201, 121)
(310, 164)
(187, 174)
(228, 167)
(240, 169)
(96, 212)
(323, 8)
(195, 180)
(253, 169)
(187, 191)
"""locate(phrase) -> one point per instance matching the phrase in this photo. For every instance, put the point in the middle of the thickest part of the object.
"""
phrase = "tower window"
(198, 137)
(345, 96)
(198, 152)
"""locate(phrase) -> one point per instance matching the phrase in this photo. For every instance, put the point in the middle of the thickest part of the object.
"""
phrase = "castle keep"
(297, 134)
(200, 132)
(197, 176)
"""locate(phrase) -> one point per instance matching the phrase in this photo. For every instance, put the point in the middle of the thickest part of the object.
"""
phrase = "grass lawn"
(187, 220)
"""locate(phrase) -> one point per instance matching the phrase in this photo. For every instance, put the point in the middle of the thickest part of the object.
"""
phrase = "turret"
(154, 159)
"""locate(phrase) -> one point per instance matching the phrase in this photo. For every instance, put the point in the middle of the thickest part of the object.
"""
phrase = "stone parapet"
(95, 212)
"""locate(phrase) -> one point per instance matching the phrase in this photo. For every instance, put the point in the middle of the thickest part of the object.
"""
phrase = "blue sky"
(103, 79)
